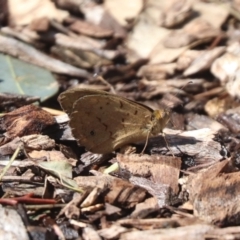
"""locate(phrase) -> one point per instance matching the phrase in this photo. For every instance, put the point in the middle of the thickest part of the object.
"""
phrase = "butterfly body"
(103, 122)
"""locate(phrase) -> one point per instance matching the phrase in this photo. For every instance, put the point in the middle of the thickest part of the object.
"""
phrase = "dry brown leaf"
(186, 58)
(123, 10)
(230, 119)
(141, 208)
(148, 27)
(120, 192)
(212, 194)
(78, 42)
(29, 10)
(226, 69)
(197, 121)
(90, 29)
(204, 61)
(196, 232)
(38, 142)
(31, 55)
(218, 105)
(198, 143)
(201, 29)
(176, 12)
(40, 24)
(215, 13)
(159, 169)
(157, 71)
(161, 54)
(112, 232)
(50, 155)
(98, 15)
(26, 120)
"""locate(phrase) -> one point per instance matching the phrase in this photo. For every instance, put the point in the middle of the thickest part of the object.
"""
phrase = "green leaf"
(57, 168)
(63, 171)
(20, 77)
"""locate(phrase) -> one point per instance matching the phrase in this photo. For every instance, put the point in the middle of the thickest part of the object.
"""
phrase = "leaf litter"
(181, 55)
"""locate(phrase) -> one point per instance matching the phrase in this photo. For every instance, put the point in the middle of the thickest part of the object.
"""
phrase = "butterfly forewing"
(103, 123)
(68, 98)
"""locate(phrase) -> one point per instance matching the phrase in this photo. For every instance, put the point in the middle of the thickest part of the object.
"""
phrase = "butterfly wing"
(69, 97)
(103, 123)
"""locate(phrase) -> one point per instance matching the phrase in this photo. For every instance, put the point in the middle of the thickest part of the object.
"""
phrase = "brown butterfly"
(104, 122)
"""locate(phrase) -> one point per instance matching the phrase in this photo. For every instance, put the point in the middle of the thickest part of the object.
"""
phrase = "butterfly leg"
(146, 143)
(169, 149)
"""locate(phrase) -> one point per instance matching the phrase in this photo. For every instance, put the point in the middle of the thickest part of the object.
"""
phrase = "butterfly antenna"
(189, 82)
(100, 78)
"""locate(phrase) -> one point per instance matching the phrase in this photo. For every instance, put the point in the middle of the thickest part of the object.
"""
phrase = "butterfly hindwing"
(103, 123)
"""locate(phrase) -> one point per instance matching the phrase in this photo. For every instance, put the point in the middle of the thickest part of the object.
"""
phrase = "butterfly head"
(160, 119)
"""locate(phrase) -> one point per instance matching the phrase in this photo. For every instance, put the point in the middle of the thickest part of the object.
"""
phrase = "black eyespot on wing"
(111, 135)
(105, 125)
(92, 133)
(121, 104)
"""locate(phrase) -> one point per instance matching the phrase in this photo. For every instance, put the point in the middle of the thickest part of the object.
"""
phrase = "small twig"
(21, 179)
(10, 162)
(28, 199)
(45, 206)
